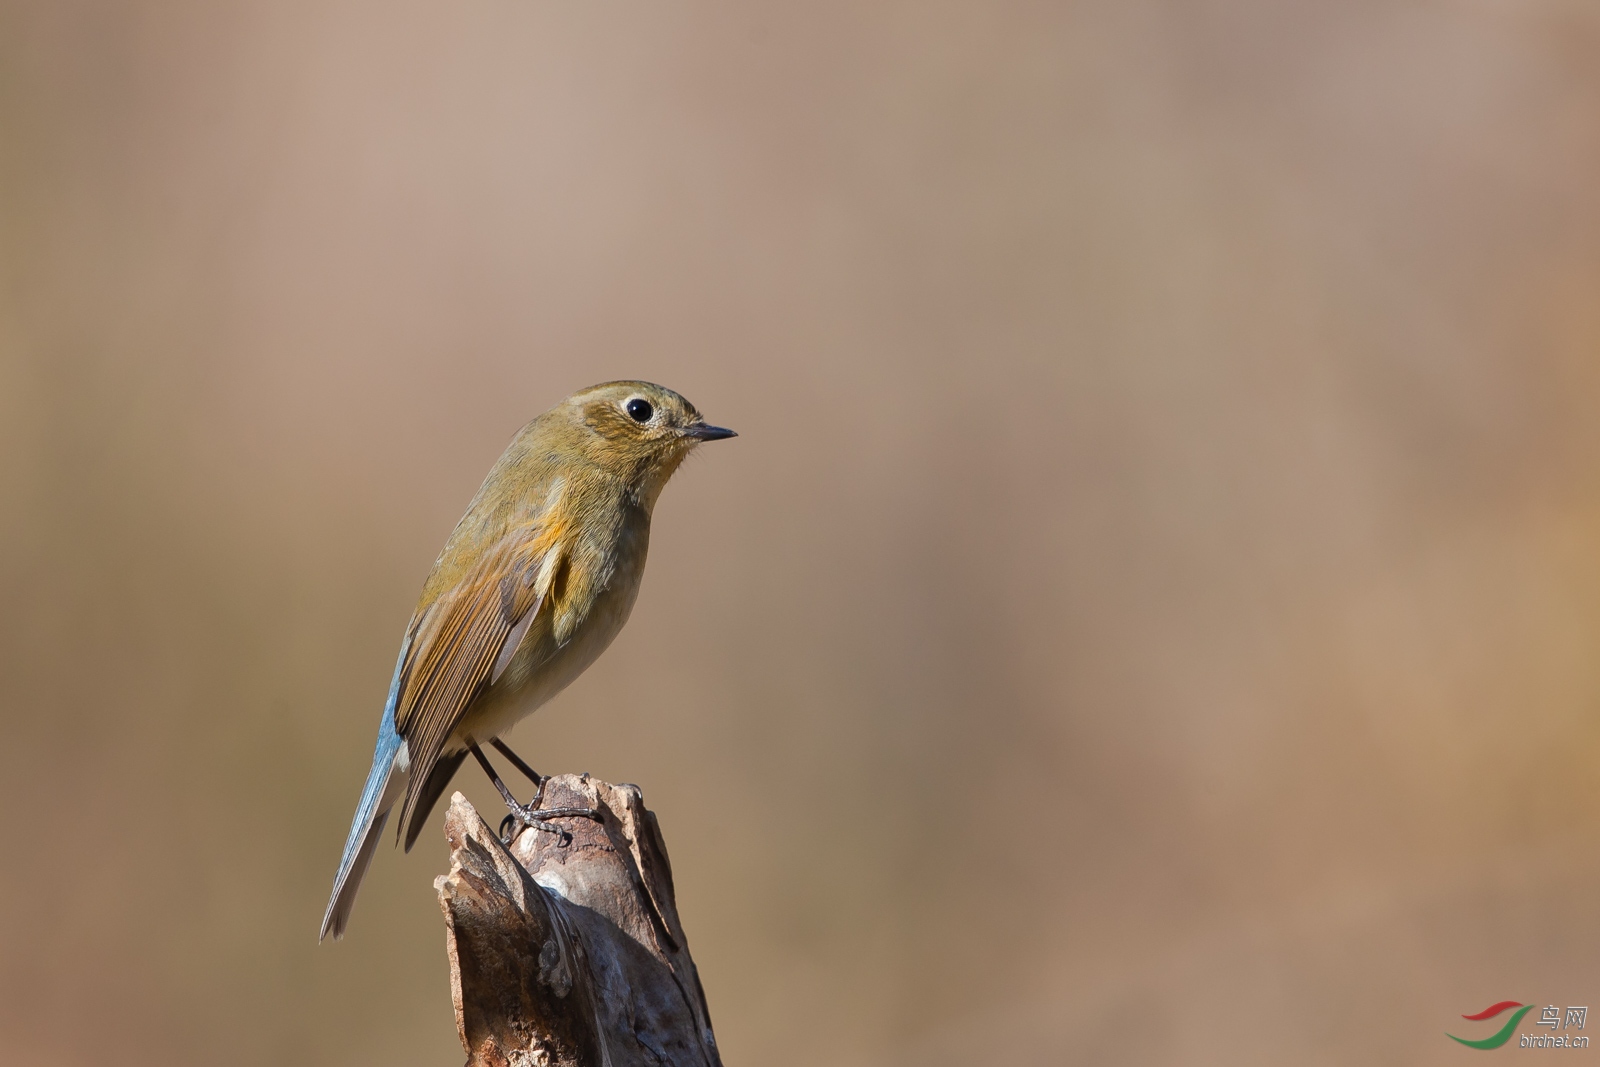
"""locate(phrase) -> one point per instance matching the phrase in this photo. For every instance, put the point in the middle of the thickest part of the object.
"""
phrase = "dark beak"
(701, 432)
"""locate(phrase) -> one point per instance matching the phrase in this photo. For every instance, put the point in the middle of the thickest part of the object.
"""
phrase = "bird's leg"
(527, 816)
(528, 772)
(540, 781)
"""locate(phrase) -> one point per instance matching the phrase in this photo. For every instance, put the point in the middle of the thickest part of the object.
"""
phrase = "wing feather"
(459, 639)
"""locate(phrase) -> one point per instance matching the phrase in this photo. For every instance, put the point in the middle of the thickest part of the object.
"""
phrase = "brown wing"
(456, 647)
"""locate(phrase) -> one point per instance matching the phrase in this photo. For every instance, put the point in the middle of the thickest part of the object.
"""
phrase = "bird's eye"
(640, 410)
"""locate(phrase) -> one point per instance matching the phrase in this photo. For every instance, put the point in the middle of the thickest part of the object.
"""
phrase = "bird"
(531, 587)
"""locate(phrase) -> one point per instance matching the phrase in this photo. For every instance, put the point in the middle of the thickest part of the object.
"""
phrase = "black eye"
(640, 410)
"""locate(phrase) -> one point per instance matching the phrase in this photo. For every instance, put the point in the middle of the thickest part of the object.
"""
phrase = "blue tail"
(385, 783)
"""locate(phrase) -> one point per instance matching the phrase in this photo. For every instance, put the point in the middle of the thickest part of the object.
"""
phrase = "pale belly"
(537, 672)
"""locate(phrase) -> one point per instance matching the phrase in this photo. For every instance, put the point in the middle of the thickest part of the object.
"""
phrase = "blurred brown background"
(1152, 614)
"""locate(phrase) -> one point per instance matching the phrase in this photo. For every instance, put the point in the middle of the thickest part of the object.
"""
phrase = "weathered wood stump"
(568, 952)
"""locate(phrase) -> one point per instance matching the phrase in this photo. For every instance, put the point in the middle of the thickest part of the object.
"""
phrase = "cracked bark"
(571, 954)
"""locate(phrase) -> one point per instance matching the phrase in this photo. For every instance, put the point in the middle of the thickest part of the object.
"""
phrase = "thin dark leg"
(532, 775)
(488, 768)
(527, 772)
(529, 816)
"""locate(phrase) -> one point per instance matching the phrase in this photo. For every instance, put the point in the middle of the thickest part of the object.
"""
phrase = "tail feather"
(385, 783)
(337, 916)
(432, 790)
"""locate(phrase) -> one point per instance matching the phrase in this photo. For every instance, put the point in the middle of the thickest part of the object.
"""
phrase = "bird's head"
(640, 432)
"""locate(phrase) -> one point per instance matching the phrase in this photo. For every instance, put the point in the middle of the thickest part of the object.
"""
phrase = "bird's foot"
(533, 818)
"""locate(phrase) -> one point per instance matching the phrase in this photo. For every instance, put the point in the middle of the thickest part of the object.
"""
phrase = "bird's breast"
(544, 664)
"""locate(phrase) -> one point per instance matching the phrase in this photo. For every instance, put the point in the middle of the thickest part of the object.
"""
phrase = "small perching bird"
(533, 584)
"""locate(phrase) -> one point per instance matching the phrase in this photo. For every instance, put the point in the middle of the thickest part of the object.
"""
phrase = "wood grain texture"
(569, 952)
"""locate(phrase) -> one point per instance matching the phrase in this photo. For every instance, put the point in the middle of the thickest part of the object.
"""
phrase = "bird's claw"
(531, 818)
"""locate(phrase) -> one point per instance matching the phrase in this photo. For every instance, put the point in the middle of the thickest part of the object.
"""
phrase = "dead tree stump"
(569, 952)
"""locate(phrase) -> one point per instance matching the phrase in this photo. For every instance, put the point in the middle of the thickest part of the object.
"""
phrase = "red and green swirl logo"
(1500, 1036)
